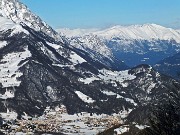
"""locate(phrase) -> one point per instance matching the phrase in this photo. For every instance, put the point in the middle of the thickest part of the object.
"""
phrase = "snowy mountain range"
(136, 44)
(132, 32)
(81, 73)
(140, 32)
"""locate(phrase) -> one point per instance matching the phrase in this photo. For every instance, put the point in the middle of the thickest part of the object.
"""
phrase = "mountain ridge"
(134, 44)
(143, 32)
(19, 13)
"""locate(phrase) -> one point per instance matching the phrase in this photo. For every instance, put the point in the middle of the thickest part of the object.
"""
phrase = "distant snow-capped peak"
(75, 32)
(141, 32)
(19, 13)
(132, 32)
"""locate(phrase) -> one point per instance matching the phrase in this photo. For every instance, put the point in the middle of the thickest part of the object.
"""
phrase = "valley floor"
(58, 121)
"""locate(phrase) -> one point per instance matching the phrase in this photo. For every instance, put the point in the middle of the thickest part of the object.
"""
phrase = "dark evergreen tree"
(1, 121)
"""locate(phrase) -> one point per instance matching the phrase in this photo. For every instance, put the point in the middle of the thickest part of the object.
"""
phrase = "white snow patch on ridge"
(113, 76)
(76, 59)
(84, 97)
(9, 68)
(110, 93)
(55, 46)
(10, 115)
(116, 76)
(121, 130)
(141, 127)
(51, 93)
(7, 94)
(88, 80)
(3, 44)
(119, 76)
(6, 24)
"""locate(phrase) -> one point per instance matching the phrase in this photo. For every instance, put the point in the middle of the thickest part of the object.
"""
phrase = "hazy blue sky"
(104, 13)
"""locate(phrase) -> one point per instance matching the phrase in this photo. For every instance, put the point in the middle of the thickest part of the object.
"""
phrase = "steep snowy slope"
(7, 24)
(19, 13)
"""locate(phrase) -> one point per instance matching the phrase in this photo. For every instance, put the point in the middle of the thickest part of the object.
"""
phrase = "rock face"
(38, 71)
(20, 14)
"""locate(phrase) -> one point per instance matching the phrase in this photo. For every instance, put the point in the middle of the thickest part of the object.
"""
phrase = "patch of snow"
(110, 93)
(9, 68)
(76, 59)
(7, 94)
(121, 130)
(63, 66)
(124, 113)
(25, 116)
(84, 97)
(3, 44)
(6, 24)
(131, 101)
(88, 80)
(18, 29)
(10, 115)
(21, 133)
(110, 76)
(152, 85)
(55, 46)
(141, 127)
(51, 93)
(119, 76)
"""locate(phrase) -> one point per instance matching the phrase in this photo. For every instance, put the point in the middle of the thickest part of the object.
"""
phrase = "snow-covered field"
(110, 76)
(84, 97)
(10, 66)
